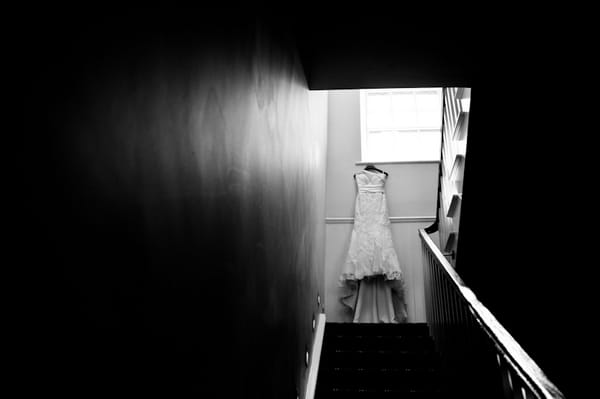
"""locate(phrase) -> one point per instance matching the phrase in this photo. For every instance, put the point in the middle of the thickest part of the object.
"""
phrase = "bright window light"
(401, 124)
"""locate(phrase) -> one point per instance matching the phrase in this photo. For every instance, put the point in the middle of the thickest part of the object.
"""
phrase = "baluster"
(501, 375)
(436, 302)
(455, 326)
(489, 377)
(452, 305)
(518, 389)
(521, 389)
(426, 262)
(464, 335)
(431, 290)
(507, 381)
(446, 311)
(428, 297)
(442, 310)
(456, 342)
(527, 393)
(440, 288)
(449, 325)
(474, 350)
(449, 310)
(435, 307)
(431, 284)
(448, 321)
(449, 328)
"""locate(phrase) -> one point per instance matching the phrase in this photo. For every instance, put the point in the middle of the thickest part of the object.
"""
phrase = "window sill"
(396, 162)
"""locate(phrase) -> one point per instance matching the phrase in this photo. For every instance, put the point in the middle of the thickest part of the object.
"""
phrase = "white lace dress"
(371, 279)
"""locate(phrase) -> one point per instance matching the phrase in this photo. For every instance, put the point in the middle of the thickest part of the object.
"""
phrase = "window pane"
(428, 101)
(429, 119)
(378, 110)
(377, 145)
(429, 109)
(403, 145)
(404, 110)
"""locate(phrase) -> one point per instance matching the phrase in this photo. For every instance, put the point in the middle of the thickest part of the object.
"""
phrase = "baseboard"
(313, 371)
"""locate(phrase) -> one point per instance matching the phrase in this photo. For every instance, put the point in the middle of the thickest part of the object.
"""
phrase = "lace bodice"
(370, 182)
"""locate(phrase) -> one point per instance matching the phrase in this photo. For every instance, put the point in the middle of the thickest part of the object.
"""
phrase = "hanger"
(370, 166)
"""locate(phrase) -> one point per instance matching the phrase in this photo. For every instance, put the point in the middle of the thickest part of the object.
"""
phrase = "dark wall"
(527, 204)
(527, 201)
(173, 225)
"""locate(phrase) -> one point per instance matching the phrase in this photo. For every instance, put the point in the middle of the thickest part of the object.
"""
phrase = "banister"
(508, 350)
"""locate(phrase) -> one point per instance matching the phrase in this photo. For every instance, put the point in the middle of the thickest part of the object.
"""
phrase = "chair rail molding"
(393, 219)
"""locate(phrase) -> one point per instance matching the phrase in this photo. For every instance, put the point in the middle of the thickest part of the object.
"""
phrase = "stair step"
(379, 358)
(362, 360)
(397, 378)
(378, 393)
(414, 329)
(408, 342)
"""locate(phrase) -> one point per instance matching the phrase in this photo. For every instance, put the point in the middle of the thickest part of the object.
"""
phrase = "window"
(401, 124)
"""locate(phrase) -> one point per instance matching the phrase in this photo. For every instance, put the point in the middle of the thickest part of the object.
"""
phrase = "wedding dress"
(372, 280)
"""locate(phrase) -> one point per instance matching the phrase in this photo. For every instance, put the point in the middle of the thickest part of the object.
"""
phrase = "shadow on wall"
(179, 217)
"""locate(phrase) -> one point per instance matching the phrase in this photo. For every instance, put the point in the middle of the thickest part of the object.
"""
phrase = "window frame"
(363, 93)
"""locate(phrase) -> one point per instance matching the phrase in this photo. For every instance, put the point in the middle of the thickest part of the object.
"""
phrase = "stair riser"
(375, 343)
(381, 395)
(361, 381)
(375, 360)
(377, 329)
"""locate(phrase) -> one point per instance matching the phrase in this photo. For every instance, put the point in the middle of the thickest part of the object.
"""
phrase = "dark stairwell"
(462, 351)
(521, 250)
(112, 199)
(379, 361)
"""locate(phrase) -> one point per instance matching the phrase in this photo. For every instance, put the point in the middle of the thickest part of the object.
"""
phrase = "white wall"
(411, 191)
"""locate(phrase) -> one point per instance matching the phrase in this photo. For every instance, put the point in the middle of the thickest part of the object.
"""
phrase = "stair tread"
(379, 358)
(361, 342)
(382, 389)
(381, 338)
(383, 327)
(383, 369)
(407, 325)
(382, 352)
(376, 392)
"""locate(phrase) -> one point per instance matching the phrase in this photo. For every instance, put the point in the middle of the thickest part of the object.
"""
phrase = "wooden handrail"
(505, 344)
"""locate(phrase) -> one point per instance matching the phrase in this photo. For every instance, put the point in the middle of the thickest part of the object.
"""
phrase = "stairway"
(375, 361)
